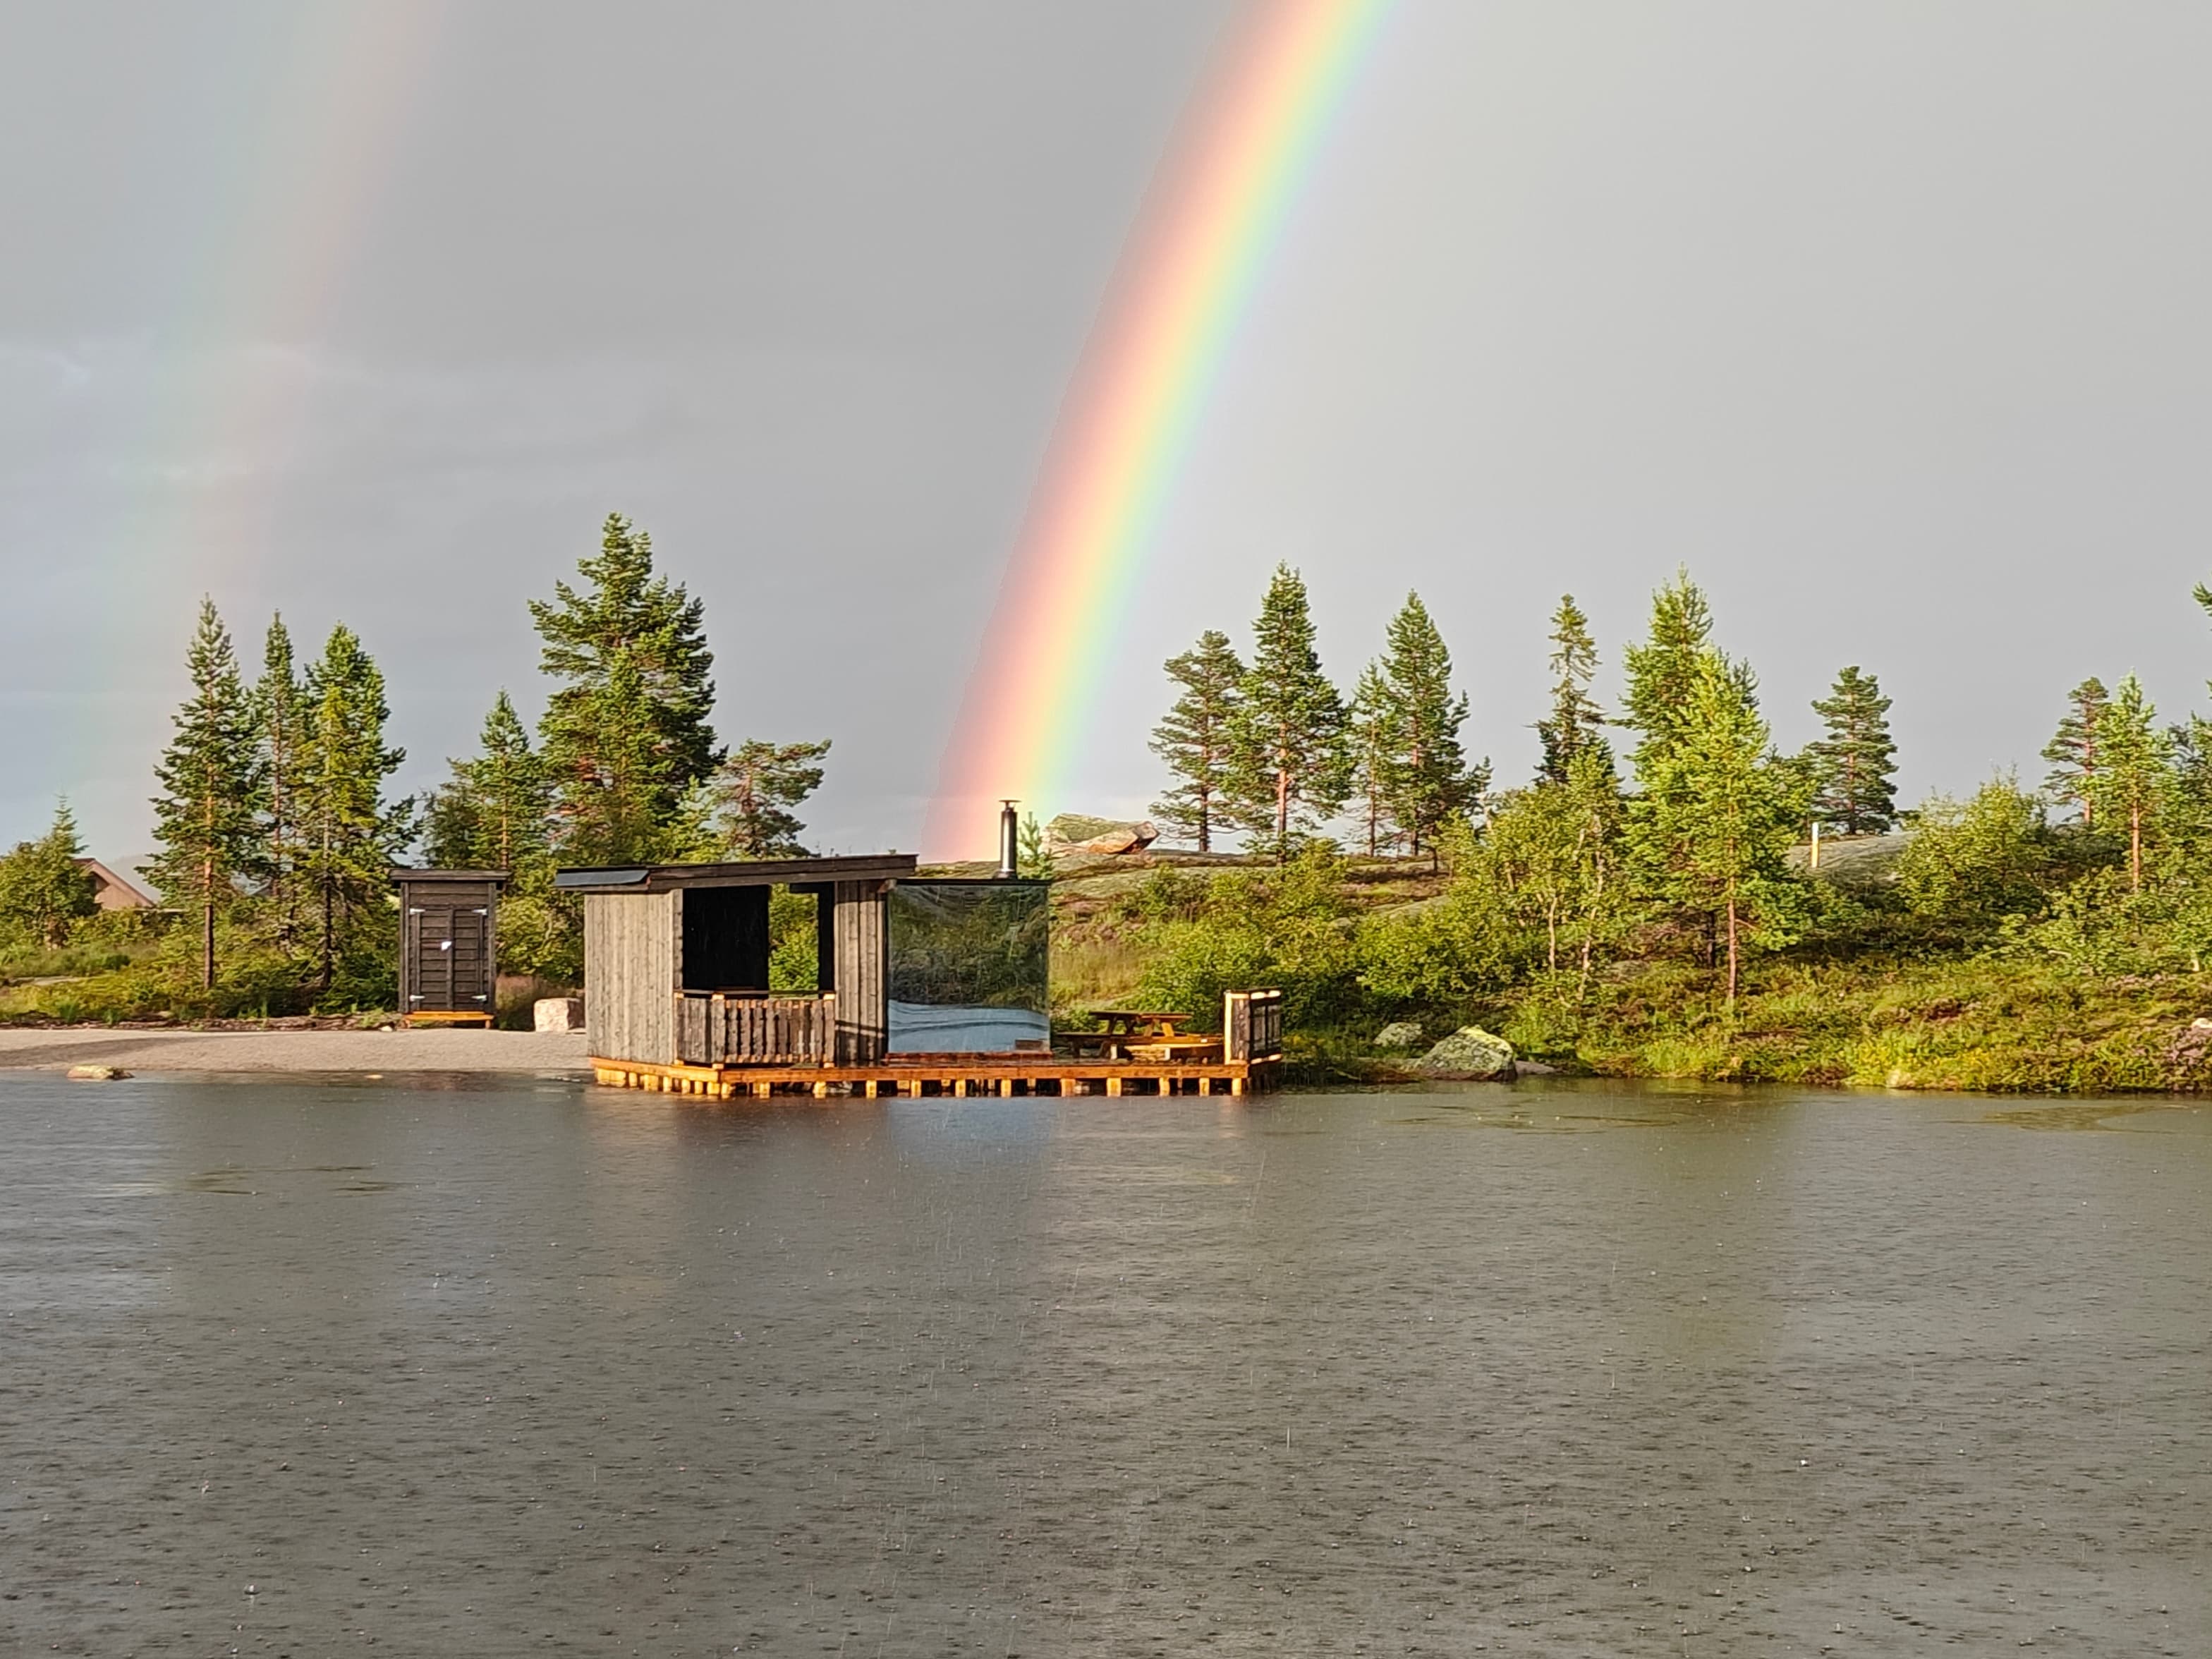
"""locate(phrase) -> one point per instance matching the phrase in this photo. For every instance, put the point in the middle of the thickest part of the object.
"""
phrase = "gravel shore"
(56, 1049)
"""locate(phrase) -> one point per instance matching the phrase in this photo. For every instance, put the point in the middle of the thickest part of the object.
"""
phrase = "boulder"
(557, 1014)
(1072, 832)
(1400, 1033)
(1469, 1053)
(97, 1073)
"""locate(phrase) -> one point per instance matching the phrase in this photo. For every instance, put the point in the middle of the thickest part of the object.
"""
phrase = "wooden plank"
(862, 969)
(629, 967)
(1116, 1077)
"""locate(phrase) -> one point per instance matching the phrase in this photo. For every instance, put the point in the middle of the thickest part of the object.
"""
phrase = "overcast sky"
(1888, 320)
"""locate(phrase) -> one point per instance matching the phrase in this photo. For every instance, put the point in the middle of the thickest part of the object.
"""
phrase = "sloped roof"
(756, 873)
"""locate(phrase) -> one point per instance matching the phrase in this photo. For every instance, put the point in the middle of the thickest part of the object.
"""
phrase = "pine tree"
(349, 835)
(43, 889)
(1663, 673)
(625, 737)
(755, 793)
(1289, 768)
(2073, 749)
(1372, 731)
(1193, 738)
(278, 719)
(1032, 856)
(1856, 764)
(491, 813)
(204, 817)
(1715, 827)
(1428, 780)
(1576, 722)
(2134, 773)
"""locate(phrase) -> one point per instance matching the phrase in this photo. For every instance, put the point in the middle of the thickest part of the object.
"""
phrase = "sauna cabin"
(677, 964)
(675, 961)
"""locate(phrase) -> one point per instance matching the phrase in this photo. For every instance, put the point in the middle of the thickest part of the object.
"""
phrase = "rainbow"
(1215, 213)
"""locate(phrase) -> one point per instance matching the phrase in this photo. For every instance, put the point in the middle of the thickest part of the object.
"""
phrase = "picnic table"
(1144, 1034)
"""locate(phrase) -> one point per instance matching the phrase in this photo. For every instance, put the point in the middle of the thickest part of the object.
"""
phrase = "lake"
(463, 1366)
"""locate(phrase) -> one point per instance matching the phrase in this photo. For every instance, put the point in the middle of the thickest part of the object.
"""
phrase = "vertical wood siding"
(863, 973)
(630, 976)
(449, 946)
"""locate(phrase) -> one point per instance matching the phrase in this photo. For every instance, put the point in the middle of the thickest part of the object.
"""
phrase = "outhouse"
(448, 945)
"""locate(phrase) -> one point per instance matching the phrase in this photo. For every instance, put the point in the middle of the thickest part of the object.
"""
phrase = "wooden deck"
(947, 1074)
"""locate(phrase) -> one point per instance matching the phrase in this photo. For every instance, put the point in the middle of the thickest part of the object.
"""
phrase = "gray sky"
(1888, 320)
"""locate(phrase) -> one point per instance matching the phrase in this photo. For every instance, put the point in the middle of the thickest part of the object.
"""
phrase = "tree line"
(277, 829)
(1689, 840)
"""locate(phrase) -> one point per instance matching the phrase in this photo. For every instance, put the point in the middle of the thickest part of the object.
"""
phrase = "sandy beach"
(57, 1048)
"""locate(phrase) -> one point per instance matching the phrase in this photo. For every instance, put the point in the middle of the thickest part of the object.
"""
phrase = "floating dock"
(952, 1075)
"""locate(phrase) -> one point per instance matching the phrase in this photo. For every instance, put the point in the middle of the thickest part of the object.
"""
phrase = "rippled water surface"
(519, 1367)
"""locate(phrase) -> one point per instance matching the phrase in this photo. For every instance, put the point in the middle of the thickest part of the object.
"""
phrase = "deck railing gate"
(1252, 1026)
(733, 1028)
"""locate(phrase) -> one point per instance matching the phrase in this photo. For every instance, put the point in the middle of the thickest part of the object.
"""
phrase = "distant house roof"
(113, 893)
(759, 873)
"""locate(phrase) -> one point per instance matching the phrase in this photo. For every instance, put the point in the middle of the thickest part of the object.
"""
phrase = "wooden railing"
(743, 1028)
(1252, 1026)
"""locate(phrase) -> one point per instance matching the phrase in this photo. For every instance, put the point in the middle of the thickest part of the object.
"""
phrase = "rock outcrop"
(1401, 1034)
(1072, 832)
(1469, 1053)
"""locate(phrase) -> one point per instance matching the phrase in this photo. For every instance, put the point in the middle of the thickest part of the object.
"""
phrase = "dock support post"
(1114, 1085)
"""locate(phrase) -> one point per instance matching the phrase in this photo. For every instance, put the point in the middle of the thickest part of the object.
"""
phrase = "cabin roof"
(756, 873)
(406, 876)
(112, 892)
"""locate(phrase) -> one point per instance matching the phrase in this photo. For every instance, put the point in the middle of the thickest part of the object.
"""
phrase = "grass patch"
(1971, 1024)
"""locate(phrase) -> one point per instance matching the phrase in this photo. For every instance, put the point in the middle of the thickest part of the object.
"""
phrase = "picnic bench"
(1143, 1035)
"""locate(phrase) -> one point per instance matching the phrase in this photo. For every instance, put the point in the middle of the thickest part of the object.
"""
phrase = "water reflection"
(1557, 1368)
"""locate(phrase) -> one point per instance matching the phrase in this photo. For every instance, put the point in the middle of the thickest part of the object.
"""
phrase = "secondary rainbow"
(1215, 213)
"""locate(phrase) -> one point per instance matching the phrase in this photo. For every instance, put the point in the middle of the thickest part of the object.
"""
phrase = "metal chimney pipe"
(1010, 842)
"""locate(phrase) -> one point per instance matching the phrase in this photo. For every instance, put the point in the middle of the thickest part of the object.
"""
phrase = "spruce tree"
(1856, 764)
(1663, 672)
(625, 736)
(278, 719)
(755, 791)
(1289, 768)
(1576, 721)
(1428, 780)
(2134, 774)
(1714, 828)
(1373, 742)
(350, 836)
(491, 813)
(45, 890)
(2073, 749)
(204, 817)
(1193, 738)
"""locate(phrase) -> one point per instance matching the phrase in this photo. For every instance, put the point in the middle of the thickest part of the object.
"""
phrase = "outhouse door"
(446, 947)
